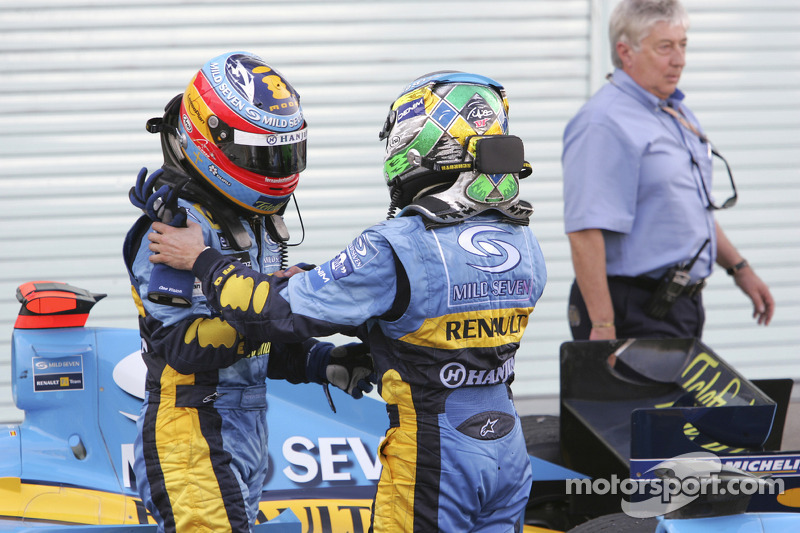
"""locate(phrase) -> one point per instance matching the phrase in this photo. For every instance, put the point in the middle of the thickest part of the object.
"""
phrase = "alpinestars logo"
(488, 427)
(474, 243)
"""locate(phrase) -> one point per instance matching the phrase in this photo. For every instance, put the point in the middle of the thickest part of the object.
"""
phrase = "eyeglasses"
(731, 201)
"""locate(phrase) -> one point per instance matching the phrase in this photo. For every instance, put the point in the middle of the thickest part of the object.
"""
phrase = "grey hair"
(632, 20)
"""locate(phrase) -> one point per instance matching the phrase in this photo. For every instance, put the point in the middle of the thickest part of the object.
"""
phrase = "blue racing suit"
(444, 309)
(201, 449)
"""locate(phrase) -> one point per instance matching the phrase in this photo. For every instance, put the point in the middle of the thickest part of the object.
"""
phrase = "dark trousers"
(685, 319)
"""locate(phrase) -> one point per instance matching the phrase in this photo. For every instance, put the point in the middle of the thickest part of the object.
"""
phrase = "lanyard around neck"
(677, 115)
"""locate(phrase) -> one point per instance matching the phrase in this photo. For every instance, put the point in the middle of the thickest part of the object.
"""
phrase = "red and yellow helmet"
(241, 128)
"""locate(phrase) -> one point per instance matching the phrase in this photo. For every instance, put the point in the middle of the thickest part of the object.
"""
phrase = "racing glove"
(167, 285)
(161, 204)
(348, 367)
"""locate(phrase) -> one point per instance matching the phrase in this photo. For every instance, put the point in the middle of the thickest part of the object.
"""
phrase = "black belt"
(650, 284)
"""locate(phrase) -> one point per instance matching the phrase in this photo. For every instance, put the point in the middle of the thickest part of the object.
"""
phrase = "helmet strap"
(276, 228)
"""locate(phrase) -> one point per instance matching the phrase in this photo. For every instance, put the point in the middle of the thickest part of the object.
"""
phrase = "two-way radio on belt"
(671, 287)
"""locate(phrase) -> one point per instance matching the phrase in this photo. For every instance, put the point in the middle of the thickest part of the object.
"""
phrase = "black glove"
(350, 369)
(161, 204)
(167, 286)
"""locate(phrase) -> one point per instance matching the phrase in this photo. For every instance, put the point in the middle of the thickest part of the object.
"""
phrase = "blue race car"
(70, 460)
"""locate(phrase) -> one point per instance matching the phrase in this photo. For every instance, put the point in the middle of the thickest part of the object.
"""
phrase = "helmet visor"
(270, 154)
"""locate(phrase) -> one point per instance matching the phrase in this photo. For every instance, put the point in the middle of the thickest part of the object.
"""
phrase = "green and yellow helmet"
(443, 144)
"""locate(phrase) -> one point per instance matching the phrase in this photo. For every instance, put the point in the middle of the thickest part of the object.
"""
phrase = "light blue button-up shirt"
(628, 170)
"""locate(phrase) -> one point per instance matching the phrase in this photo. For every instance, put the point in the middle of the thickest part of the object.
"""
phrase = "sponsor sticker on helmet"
(214, 170)
(274, 139)
(269, 204)
(478, 113)
(444, 114)
(187, 123)
(259, 83)
(411, 109)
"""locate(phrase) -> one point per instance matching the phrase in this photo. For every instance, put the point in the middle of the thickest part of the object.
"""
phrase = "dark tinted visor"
(272, 154)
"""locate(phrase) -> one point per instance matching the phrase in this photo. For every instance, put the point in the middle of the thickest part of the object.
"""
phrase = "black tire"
(542, 437)
(617, 523)
(548, 506)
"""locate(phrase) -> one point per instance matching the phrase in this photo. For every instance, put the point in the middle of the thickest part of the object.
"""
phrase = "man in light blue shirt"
(637, 176)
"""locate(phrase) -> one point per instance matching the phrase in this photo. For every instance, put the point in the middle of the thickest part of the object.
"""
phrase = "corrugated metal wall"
(744, 81)
(81, 78)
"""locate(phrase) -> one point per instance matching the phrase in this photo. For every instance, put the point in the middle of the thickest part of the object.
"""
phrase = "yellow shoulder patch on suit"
(237, 292)
(211, 332)
(260, 296)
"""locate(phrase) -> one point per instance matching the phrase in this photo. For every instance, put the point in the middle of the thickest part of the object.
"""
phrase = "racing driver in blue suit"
(443, 293)
(234, 145)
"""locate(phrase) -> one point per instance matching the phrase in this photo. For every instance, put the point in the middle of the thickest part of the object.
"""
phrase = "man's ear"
(624, 51)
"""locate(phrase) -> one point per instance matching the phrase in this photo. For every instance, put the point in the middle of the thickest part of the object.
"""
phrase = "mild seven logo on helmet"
(504, 252)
